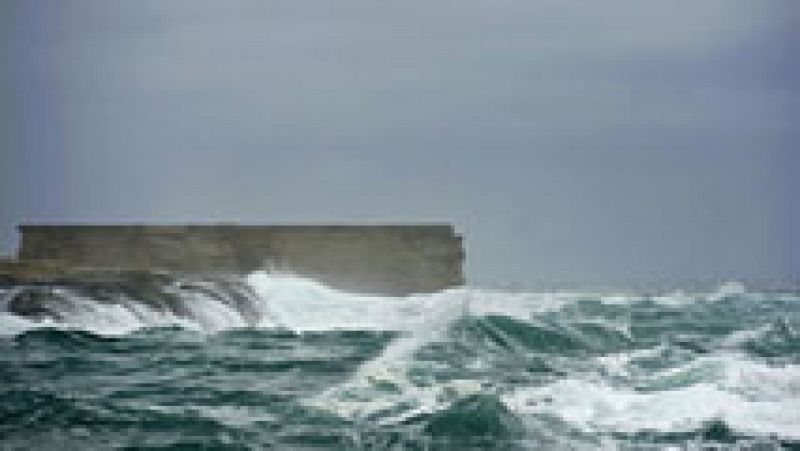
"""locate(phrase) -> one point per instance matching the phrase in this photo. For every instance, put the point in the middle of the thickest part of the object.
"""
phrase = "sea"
(276, 361)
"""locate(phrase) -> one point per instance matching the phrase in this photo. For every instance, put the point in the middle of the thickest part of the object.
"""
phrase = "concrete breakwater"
(380, 259)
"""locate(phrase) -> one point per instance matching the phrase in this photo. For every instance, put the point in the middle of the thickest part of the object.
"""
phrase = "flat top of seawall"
(439, 227)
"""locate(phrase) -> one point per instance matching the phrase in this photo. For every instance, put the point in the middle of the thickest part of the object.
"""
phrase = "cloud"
(538, 125)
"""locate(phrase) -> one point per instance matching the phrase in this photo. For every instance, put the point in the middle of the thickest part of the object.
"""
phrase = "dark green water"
(465, 369)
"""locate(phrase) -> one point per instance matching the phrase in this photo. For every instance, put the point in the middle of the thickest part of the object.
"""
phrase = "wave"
(747, 396)
(592, 362)
(275, 300)
(264, 300)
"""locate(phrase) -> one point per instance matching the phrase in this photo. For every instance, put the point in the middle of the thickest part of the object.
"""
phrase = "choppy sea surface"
(277, 361)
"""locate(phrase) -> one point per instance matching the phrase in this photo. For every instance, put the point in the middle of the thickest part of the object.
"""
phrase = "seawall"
(383, 259)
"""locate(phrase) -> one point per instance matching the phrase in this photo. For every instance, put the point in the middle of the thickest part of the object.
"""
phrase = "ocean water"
(277, 361)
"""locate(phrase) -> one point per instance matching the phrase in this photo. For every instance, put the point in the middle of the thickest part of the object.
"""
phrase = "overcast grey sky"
(568, 140)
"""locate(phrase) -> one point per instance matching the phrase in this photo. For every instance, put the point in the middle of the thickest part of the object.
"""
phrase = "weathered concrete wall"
(392, 259)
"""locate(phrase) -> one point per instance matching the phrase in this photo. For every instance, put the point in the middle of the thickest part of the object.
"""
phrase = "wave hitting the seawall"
(278, 360)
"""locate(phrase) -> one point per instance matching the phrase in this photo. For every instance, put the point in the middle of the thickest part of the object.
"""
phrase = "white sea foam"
(304, 304)
(749, 396)
(11, 324)
(679, 297)
(285, 300)
(213, 315)
(77, 312)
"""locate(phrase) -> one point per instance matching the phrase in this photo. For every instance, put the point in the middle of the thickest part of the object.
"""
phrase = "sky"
(568, 141)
